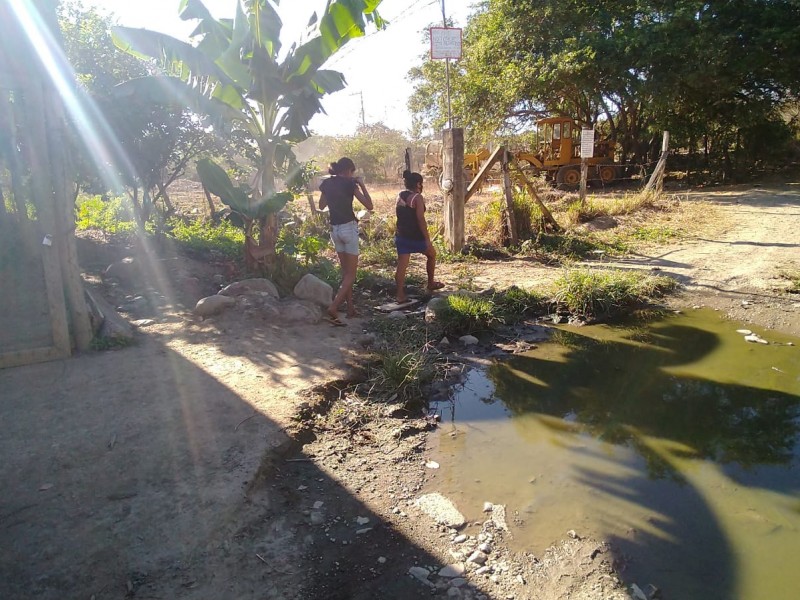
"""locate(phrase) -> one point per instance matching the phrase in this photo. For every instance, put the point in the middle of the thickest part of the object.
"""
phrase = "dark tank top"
(407, 223)
(339, 192)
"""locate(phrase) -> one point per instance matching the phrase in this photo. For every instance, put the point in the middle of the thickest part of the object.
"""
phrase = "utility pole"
(447, 71)
(363, 114)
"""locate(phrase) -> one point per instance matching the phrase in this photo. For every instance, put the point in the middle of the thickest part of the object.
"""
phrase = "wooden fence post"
(453, 180)
(511, 217)
(656, 182)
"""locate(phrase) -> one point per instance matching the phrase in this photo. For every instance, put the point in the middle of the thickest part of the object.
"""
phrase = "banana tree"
(235, 73)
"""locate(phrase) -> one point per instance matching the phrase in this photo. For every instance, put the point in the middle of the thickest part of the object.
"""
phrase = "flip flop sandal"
(437, 285)
(335, 321)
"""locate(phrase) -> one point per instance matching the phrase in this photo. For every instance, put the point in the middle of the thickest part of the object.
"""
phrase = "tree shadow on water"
(625, 392)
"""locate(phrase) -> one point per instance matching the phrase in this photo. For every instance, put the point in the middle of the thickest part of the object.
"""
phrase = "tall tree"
(236, 73)
(709, 71)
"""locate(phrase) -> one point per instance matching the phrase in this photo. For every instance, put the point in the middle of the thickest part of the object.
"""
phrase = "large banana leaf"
(171, 91)
(239, 199)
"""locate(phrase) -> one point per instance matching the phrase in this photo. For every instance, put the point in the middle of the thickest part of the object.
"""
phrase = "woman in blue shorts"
(337, 194)
(412, 234)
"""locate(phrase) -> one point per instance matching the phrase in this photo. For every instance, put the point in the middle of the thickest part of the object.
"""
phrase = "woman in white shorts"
(337, 194)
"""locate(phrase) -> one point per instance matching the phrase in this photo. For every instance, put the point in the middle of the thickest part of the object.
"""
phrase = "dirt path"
(172, 469)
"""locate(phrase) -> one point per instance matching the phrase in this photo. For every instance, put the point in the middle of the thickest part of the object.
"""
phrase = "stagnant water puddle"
(675, 440)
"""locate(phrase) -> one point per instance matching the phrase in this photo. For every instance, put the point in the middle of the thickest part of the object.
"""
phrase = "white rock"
(468, 340)
(212, 305)
(487, 507)
(483, 570)
(756, 339)
(433, 308)
(485, 548)
(300, 312)
(441, 510)
(478, 558)
(432, 464)
(318, 504)
(460, 538)
(499, 516)
(744, 331)
(451, 571)
(363, 531)
(315, 290)
(250, 286)
(421, 575)
(638, 593)
(382, 560)
(362, 520)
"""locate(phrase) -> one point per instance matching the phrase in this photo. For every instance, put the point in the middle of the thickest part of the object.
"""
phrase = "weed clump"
(591, 293)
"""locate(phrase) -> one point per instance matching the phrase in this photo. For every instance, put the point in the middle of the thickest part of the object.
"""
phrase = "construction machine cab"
(556, 143)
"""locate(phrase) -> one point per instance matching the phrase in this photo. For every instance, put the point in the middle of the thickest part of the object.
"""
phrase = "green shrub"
(379, 253)
(205, 237)
(591, 293)
(109, 216)
(514, 303)
(463, 314)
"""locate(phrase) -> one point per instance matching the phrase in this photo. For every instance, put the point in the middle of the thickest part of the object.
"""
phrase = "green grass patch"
(380, 252)
(567, 246)
(591, 293)
(109, 216)
(654, 233)
(464, 314)
(793, 277)
(205, 237)
(514, 303)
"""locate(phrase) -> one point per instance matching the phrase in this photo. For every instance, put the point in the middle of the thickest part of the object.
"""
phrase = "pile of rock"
(260, 297)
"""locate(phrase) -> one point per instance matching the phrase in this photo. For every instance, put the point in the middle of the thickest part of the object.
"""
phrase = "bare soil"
(225, 458)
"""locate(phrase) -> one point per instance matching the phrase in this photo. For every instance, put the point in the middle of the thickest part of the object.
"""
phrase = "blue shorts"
(345, 237)
(406, 245)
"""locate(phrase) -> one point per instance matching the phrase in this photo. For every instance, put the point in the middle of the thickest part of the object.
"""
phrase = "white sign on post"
(587, 143)
(445, 42)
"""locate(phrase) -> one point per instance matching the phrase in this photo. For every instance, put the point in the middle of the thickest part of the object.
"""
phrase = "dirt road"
(161, 471)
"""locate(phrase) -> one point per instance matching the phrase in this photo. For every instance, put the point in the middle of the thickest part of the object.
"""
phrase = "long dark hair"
(341, 166)
(411, 180)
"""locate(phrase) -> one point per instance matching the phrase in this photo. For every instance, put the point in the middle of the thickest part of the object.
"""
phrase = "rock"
(485, 548)
(573, 534)
(212, 305)
(434, 308)
(127, 271)
(367, 340)
(363, 531)
(397, 314)
(300, 312)
(458, 582)
(270, 310)
(143, 322)
(483, 570)
(451, 571)
(382, 560)
(638, 593)
(218, 278)
(441, 510)
(756, 339)
(478, 558)
(362, 520)
(432, 464)
(468, 340)
(487, 507)
(499, 517)
(318, 504)
(445, 342)
(106, 322)
(317, 518)
(248, 286)
(421, 575)
(454, 592)
(744, 331)
(460, 539)
(314, 290)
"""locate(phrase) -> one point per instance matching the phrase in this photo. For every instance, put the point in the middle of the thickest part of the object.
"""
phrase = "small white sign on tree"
(587, 143)
(445, 42)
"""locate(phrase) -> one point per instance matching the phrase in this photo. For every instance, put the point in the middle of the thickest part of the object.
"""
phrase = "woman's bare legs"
(400, 276)
(349, 263)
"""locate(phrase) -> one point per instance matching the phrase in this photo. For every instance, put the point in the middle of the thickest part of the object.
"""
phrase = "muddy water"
(675, 440)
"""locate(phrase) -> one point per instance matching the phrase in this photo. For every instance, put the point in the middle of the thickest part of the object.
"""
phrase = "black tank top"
(407, 223)
(339, 192)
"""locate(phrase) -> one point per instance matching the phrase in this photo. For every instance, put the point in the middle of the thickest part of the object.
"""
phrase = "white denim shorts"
(345, 237)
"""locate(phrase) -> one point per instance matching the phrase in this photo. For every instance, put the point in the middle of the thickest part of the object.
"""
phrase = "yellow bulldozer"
(557, 156)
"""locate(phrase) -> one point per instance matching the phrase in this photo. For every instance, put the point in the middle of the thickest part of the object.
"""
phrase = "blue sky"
(375, 65)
